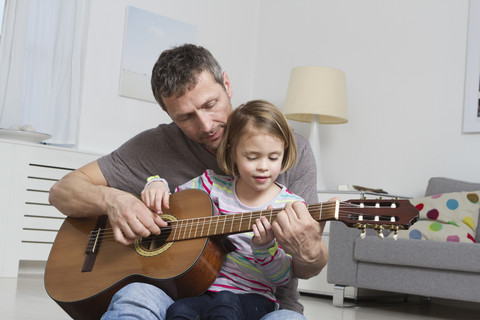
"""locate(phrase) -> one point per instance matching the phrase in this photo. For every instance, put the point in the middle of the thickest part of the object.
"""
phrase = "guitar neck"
(237, 223)
(376, 214)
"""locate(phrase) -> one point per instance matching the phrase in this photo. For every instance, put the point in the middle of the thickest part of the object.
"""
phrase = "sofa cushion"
(446, 217)
(438, 185)
(425, 254)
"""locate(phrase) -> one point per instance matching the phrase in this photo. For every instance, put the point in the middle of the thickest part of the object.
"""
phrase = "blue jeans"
(146, 302)
(284, 314)
(221, 305)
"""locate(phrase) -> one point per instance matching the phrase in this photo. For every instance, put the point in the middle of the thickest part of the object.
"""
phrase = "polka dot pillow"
(446, 217)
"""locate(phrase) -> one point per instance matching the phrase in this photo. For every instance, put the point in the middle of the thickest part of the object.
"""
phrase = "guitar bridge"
(93, 244)
(94, 241)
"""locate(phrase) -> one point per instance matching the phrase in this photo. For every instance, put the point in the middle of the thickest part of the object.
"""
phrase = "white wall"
(405, 67)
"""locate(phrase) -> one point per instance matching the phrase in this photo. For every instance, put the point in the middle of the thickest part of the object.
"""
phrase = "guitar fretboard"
(236, 223)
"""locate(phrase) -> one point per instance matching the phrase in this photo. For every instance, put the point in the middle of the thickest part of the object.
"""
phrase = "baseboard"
(31, 267)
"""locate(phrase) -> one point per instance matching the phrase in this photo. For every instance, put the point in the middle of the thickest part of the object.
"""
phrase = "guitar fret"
(240, 223)
(203, 225)
(190, 224)
(212, 223)
(184, 226)
(185, 229)
(216, 226)
(177, 228)
(195, 225)
(224, 223)
(174, 229)
(196, 228)
(231, 224)
(209, 225)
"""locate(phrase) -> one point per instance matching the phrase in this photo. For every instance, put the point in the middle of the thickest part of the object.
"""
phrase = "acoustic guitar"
(86, 266)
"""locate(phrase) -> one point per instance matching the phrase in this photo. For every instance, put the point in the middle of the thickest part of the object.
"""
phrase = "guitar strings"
(191, 223)
(195, 222)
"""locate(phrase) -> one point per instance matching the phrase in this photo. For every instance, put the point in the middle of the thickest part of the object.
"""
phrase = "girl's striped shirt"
(249, 268)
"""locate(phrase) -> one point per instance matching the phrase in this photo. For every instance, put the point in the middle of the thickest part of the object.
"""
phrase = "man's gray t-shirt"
(167, 152)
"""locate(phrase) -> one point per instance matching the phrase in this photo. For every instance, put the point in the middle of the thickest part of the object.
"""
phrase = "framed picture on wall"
(471, 111)
(146, 35)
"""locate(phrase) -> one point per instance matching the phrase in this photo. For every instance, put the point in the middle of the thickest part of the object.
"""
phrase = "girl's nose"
(262, 165)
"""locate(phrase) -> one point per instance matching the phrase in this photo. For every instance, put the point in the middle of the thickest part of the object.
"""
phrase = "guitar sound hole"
(153, 244)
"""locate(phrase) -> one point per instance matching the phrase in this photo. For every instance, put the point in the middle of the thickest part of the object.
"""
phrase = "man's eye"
(183, 118)
(211, 104)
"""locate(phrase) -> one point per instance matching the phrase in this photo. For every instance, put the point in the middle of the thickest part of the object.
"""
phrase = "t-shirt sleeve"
(164, 151)
(125, 168)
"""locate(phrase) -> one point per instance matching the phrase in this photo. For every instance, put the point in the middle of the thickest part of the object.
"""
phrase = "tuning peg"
(395, 233)
(379, 232)
(364, 232)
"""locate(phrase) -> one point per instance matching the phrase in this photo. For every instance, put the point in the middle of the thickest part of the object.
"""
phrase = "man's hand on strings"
(131, 219)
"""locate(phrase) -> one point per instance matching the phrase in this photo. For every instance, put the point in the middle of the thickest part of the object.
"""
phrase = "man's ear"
(227, 85)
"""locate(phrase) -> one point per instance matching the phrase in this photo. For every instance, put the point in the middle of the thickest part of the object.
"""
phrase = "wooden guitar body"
(185, 268)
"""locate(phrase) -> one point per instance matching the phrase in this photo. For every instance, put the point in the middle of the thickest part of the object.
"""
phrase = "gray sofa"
(418, 267)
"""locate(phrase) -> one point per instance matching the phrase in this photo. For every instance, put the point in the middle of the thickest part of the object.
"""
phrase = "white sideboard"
(29, 223)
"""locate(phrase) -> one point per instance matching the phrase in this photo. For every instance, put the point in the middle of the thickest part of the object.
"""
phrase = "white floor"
(25, 298)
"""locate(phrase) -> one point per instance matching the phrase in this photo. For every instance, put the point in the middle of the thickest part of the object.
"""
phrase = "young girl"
(258, 145)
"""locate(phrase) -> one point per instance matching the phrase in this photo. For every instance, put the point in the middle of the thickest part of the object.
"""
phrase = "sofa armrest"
(437, 185)
(342, 267)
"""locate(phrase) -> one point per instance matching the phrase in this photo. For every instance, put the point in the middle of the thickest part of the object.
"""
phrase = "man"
(190, 86)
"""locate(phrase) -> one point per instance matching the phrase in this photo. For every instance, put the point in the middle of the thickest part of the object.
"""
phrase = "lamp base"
(314, 140)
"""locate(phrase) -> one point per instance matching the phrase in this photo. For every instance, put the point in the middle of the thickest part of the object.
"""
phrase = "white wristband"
(156, 178)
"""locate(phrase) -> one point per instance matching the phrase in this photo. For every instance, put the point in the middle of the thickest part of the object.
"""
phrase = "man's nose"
(204, 122)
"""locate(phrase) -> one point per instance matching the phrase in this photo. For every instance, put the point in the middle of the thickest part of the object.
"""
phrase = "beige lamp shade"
(316, 92)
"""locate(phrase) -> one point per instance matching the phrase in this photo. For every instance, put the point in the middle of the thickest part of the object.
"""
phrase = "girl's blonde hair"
(255, 115)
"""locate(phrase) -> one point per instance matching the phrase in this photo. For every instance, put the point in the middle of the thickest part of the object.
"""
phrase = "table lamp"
(317, 95)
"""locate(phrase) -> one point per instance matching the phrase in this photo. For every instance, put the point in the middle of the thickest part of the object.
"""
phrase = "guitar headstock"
(378, 214)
